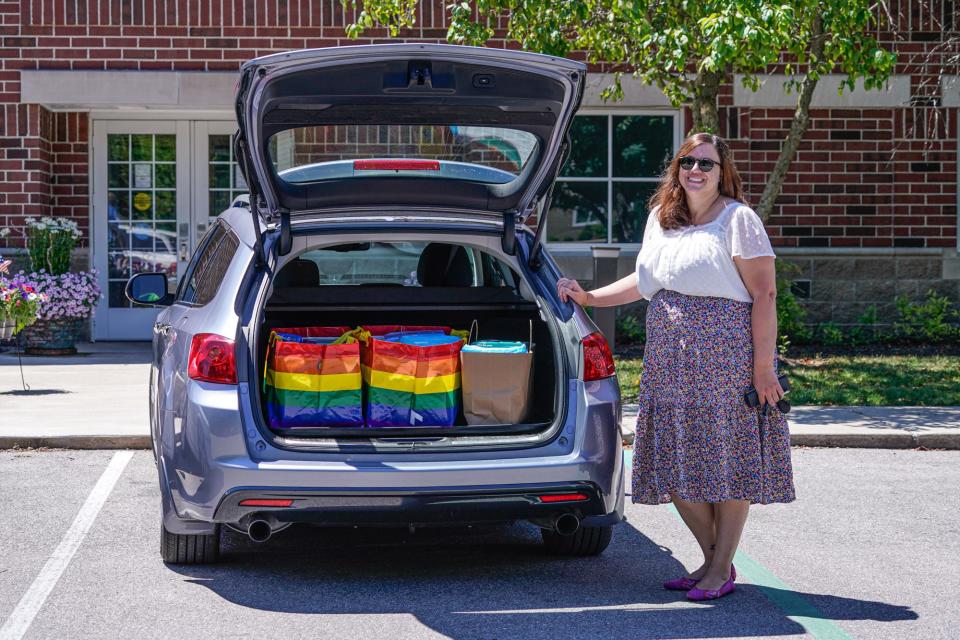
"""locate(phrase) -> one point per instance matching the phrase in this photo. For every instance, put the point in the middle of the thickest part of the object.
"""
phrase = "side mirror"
(149, 289)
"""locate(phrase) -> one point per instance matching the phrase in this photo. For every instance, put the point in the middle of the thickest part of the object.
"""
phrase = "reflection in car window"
(492, 155)
(210, 266)
(396, 264)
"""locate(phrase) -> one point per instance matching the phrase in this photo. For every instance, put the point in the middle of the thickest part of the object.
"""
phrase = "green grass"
(852, 380)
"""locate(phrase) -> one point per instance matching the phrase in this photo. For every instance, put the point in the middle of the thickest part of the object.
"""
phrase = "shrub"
(630, 330)
(829, 334)
(928, 321)
(867, 328)
(791, 315)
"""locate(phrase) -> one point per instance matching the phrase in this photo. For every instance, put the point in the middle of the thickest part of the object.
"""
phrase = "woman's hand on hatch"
(571, 290)
(768, 387)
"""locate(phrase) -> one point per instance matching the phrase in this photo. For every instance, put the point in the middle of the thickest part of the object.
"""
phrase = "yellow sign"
(141, 201)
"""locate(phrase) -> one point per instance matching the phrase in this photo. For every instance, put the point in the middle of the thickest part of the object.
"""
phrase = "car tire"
(179, 548)
(586, 541)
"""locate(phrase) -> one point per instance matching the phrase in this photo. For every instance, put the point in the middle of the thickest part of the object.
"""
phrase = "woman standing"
(707, 267)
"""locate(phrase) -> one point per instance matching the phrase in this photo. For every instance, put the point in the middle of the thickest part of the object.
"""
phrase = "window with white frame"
(614, 167)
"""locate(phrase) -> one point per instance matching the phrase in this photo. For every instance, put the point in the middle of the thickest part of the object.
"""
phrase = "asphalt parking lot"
(865, 552)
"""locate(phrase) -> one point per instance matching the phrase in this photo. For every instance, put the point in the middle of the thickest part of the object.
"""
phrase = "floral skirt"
(696, 437)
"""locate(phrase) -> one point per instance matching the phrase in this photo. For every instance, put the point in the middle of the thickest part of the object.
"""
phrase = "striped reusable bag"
(312, 379)
(412, 378)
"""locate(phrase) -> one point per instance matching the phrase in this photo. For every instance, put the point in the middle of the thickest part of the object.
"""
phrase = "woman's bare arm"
(759, 276)
(623, 291)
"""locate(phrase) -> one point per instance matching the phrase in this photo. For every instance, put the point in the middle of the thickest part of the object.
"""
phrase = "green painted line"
(793, 604)
(796, 608)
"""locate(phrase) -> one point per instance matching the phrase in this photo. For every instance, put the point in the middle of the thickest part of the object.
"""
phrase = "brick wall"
(862, 177)
(25, 158)
(70, 167)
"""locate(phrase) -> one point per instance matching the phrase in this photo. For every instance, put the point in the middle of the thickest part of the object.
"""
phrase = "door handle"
(183, 251)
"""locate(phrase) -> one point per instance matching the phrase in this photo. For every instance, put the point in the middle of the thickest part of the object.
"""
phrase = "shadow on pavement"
(829, 607)
(34, 392)
(495, 583)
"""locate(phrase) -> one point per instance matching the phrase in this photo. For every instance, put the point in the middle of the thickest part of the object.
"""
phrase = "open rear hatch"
(407, 125)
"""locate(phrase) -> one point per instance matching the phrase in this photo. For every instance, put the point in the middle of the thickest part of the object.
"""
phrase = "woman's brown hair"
(670, 197)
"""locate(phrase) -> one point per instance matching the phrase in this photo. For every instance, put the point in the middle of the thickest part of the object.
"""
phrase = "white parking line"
(28, 607)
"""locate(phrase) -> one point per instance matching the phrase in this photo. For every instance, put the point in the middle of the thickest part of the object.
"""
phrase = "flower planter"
(6, 328)
(55, 337)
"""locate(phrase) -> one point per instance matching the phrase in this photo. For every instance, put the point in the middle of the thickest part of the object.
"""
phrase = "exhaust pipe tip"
(259, 530)
(566, 524)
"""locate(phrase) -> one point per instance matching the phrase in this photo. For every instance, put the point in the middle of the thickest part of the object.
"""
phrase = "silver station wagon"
(389, 185)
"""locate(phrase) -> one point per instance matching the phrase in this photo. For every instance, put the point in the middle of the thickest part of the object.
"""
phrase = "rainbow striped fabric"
(311, 382)
(412, 378)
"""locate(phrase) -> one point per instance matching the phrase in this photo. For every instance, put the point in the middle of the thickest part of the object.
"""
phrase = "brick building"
(117, 114)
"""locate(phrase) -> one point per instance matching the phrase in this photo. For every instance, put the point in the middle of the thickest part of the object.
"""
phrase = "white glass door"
(217, 175)
(157, 186)
(141, 216)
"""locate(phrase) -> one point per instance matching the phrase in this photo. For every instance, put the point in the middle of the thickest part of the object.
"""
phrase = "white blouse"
(698, 260)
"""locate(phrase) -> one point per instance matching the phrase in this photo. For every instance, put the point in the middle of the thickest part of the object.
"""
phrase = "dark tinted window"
(613, 169)
(209, 266)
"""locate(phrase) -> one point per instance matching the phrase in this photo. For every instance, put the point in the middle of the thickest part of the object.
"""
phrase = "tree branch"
(801, 120)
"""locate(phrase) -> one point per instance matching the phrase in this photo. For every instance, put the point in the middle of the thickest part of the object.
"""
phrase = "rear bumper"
(351, 507)
(209, 461)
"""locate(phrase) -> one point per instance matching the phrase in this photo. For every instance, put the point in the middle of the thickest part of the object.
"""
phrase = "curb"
(950, 441)
(75, 442)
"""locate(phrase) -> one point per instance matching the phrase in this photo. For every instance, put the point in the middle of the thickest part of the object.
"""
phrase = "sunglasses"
(706, 164)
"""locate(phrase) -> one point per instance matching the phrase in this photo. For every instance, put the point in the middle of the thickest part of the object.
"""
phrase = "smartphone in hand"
(753, 399)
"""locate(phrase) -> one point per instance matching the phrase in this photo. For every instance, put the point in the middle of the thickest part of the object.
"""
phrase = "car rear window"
(408, 264)
(492, 155)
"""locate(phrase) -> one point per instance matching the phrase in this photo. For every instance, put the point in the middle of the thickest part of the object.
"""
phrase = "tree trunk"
(801, 120)
(705, 91)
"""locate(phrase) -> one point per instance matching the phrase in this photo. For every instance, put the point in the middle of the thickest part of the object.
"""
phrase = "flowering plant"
(67, 295)
(50, 242)
(20, 301)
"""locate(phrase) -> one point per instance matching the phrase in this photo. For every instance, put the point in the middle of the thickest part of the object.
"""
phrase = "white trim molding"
(80, 90)
(772, 93)
(636, 93)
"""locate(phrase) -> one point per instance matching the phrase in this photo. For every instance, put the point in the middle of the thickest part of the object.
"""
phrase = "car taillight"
(388, 164)
(266, 502)
(597, 358)
(212, 359)
(563, 497)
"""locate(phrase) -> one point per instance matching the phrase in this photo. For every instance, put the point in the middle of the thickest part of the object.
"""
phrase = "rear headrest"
(444, 265)
(298, 273)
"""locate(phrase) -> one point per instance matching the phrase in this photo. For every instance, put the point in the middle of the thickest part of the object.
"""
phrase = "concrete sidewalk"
(99, 400)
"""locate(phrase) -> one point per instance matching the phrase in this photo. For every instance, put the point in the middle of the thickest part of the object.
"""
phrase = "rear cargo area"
(500, 313)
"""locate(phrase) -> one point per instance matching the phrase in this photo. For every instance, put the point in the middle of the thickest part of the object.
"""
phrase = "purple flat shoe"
(680, 584)
(686, 584)
(711, 594)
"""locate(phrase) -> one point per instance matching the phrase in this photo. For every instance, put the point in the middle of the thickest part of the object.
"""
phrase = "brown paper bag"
(496, 386)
